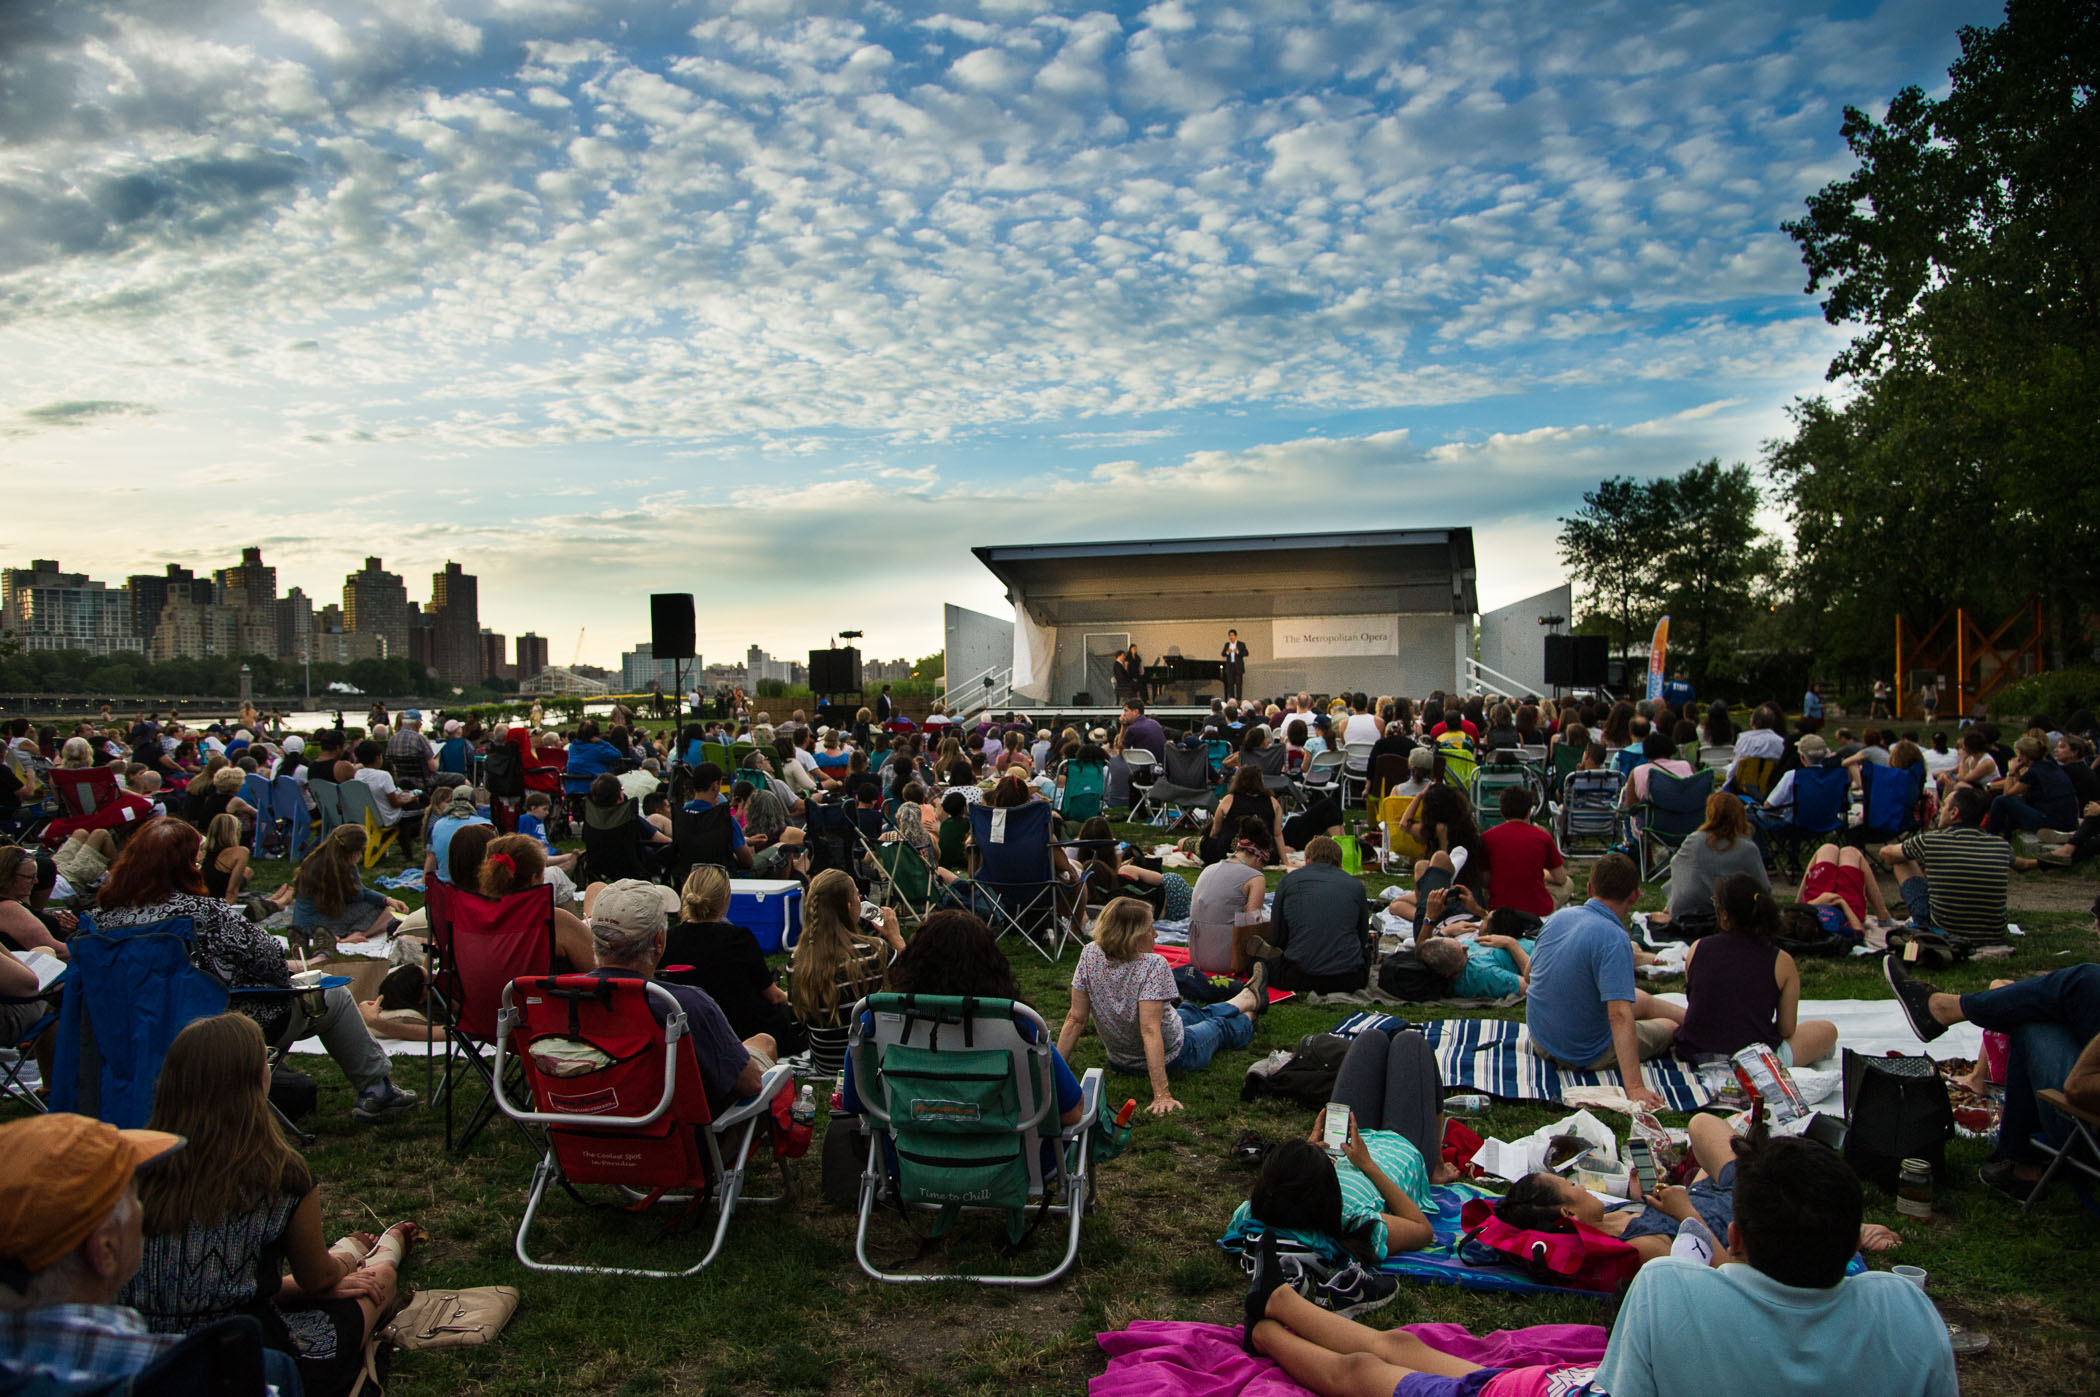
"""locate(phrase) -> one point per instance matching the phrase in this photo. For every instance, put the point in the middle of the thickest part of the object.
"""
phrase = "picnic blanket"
(1495, 1056)
(407, 880)
(1172, 1358)
(1178, 956)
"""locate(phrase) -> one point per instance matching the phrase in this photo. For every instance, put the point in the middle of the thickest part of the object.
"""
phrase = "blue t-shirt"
(587, 760)
(1490, 973)
(533, 827)
(453, 753)
(1583, 960)
(441, 831)
(1732, 1331)
(698, 806)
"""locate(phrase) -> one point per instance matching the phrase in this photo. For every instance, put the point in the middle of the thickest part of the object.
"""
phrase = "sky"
(790, 304)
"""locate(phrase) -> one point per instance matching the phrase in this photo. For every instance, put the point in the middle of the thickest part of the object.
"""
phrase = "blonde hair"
(227, 780)
(221, 833)
(830, 913)
(705, 896)
(1123, 929)
(76, 753)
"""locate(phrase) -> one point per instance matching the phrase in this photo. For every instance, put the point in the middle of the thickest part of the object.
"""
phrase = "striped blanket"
(1494, 1056)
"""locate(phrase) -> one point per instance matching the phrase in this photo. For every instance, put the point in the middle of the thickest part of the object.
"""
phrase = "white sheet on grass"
(1877, 1027)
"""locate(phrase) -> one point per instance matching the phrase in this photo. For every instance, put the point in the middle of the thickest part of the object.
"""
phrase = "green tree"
(934, 666)
(1613, 547)
(1716, 565)
(1965, 252)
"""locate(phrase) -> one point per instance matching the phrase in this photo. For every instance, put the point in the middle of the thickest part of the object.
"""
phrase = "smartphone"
(1334, 1129)
(1643, 1165)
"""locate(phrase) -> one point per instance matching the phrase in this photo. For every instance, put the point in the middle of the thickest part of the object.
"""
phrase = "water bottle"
(805, 1107)
(1471, 1104)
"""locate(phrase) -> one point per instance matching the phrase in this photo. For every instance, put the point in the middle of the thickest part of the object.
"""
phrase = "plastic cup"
(1914, 1274)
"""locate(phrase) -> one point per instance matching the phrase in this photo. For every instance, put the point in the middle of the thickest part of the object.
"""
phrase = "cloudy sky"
(789, 304)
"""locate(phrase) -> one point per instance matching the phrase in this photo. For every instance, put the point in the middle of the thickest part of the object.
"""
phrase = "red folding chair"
(477, 946)
(89, 799)
(623, 1103)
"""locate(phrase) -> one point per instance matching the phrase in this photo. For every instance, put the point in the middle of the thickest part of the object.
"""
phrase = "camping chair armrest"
(777, 1076)
(2050, 1096)
(1091, 1087)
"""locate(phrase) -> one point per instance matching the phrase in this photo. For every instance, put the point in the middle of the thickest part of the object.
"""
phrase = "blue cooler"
(770, 909)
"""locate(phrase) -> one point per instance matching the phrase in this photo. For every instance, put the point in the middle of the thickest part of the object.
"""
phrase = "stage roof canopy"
(1398, 571)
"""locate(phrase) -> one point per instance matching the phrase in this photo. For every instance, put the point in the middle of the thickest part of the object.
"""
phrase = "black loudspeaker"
(834, 671)
(671, 625)
(1560, 661)
(1592, 661)
(1083, 699)
(1615, 674)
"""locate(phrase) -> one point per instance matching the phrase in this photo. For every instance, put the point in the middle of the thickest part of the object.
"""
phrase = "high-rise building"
(422, 636)
(45, 609)
(294, 615)
(758, 665)
(639, 668)
(495, 662)
(455, 620)
(532, 654)
(375, 602)
(189, 629)
(250, 584)
(150, 592)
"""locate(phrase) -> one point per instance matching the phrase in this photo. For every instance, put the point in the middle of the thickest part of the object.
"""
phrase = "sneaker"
(1915, 997)
(2054, 857)
(1998, 1174)
(1258, 986)
(1268, 1275)
(1354, 1290)
(380, 1102)
(2052, 838)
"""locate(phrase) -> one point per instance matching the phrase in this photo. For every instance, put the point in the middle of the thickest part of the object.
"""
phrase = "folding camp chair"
(623, 1103)
(1589, 809)
(1821, 797)
(2080, 1149)
(962, 1097)
(359, 809)
(17, 1057)
(328, 802)
(282, 820)
(1489, 782)
(1275, 780)
(89, 798)
(1215, 751)
(255, 789)
(1675, 807)
(833, 840)
(1459, 760)
(477, 946)
(718, 753)
(1565, 758)
(1889, 800)
(1016, 871)
(907, 880)
(1144, 773)
(129, 991)
(1186, 787)
(1754, 778)
(1084, 792)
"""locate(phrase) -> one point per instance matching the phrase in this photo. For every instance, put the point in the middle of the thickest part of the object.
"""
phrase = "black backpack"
(1898, 1109)
(504, 776)
(1403, 977)
(1306, 1077)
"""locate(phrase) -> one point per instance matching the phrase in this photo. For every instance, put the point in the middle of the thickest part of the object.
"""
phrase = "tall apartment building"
(46, 609)
(495, 661)
(375, 603)
(294, 616)
(639, 668)
(150, 592)
(532, 654)
(335, 646)
(189, 629)
(250, 584)
(455, 620)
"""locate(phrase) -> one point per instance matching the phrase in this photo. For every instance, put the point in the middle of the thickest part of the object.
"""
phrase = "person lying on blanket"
(1476, 963)
(1340, 1216)
(1699, 1214)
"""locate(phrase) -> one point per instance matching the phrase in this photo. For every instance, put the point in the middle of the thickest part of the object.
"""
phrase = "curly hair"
(953, 953)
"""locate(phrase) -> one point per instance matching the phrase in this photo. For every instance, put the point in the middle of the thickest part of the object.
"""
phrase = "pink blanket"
(1167, 1358)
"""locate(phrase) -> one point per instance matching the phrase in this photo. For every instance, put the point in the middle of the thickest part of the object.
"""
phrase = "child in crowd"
(533, 825)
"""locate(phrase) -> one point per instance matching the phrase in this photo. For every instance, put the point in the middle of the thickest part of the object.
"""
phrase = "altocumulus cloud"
(893, 280)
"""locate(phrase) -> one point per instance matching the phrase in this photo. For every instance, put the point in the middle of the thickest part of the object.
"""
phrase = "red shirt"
(1519, 857)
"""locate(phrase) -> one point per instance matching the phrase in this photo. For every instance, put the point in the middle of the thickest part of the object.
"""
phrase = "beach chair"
(1387, 771)
(1274, 779)
(281, 820)
(477, 946)
(360, 809)
(88, 798)
(718, 753)
(907, 882)
(623, 1104)
(962, 1097)
(2080, 1148)
(129, 991)
(1397, 849)
(1084, 791)
(1821, 800)
(328, 802)
(1675, 807)
(1018, 875)
(1565, 758)
(1754, 778)
(1489, 782)
(1589, 810)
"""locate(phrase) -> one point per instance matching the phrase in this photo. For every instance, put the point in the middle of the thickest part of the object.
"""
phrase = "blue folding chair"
(255, 789)
(281, 820)
(1889, 797)
(1820, 799)
(1019, 875)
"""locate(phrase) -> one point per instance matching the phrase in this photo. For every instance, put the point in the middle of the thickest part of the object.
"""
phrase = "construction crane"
(577, 658)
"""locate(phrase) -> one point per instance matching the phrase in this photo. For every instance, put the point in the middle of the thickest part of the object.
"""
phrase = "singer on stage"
(1235, 657)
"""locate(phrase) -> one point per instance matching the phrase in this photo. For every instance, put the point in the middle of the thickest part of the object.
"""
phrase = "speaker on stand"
(671, 637)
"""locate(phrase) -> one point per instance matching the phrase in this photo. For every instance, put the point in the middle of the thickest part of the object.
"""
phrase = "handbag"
(438, 1319)
(1898, 1109)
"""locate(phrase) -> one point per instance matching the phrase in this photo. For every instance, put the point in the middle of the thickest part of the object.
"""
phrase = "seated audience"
(456, 812)
(511, 863)
(1658, 753)
(1525, 867)
(2036, 793)
(2053, 1022)
(155, 879)
(1319, 936)
(1720, 846)
(532, 823)
(1584, 1009)
(1441, 821)
(723, 959)
(329, 899)
(225, 868)
(1953, 877)
(1742, 989)
(1247, 799)
(229, 1215)
(1236, 885)
(1126, 990)
(837, 962)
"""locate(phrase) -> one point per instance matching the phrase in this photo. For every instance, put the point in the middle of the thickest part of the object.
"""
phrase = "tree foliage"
(1965, 253)
(78, 672)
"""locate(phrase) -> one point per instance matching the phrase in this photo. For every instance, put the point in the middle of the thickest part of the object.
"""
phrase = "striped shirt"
(1965, 874)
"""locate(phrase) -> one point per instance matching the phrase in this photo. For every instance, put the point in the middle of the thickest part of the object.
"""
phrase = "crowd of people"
(669, 820)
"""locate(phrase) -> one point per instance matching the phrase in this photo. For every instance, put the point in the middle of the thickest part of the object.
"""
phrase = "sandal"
(1249, 1149)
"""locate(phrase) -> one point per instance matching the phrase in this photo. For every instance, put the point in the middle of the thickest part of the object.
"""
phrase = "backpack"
(1306, 1076)
(1403, 977)
(1584, 1258)
(504, 775)
(956, 1135)
(1898, 1109)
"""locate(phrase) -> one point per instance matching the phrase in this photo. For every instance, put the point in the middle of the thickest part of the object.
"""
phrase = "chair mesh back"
(1013, 844)
(495, 941)
(1677, 804)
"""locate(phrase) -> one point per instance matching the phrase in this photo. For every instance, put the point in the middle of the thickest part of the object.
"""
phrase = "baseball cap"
(64, 1174)
(1812, 748)
(411, 715)
(631, 907)
(295, 743)
(453, 725)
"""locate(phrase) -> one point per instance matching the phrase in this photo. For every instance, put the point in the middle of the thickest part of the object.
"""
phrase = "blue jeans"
(1205, 1028)
(2012, 812)
(2049, 1019)
(1917, 896)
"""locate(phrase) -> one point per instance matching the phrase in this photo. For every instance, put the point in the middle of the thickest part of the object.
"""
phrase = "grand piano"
(1181, 672)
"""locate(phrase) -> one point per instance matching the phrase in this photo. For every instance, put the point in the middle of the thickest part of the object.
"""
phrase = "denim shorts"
(1917, 896)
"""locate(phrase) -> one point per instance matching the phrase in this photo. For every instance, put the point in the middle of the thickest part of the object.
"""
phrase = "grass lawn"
(785, 1309)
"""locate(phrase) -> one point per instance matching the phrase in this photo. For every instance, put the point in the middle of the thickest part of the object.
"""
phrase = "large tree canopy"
(1965, 251)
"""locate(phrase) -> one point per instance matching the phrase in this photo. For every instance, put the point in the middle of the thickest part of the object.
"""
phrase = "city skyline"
(791, 304)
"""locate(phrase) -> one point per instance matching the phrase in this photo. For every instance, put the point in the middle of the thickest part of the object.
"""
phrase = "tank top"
(1731, 996)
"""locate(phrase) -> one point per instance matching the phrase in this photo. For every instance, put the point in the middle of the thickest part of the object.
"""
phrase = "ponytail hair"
(1745, 906)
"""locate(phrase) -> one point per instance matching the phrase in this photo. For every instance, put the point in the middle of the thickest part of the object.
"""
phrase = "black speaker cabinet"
(671, 625)
(1593, 662)
(1560, 661)
(834, 671)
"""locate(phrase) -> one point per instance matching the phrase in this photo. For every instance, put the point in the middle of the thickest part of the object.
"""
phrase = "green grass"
(785, 1309)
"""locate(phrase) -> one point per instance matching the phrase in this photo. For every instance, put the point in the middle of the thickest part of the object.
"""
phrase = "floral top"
(228, 945)
(1114, 990)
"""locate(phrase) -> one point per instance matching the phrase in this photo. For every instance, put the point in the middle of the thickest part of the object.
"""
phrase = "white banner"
(1308, 637)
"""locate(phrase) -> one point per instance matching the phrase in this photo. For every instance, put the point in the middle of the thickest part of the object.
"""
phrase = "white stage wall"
(1513, 642)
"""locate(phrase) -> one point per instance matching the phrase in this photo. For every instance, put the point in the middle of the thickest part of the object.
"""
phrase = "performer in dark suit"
(1235, 657)
(1130, 674)
(884, 706)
